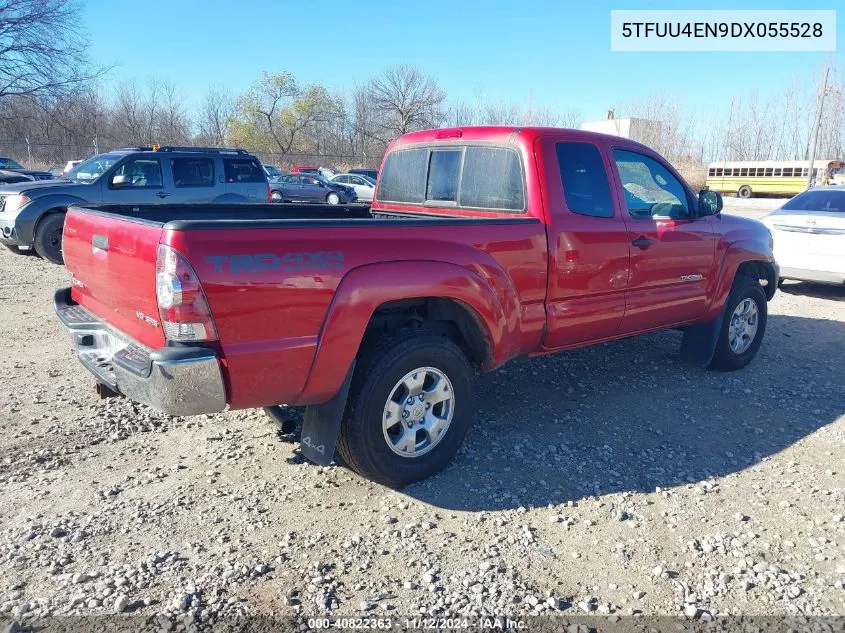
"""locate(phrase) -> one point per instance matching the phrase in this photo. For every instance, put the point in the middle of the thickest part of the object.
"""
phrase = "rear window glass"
(831, 200)
(584, 180)
(403, 177)
(492, 179)
(243, 170)
(192, 172)
(443, 174)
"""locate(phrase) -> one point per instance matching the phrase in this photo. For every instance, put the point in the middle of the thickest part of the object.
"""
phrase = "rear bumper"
(174, 380)
(818, 276)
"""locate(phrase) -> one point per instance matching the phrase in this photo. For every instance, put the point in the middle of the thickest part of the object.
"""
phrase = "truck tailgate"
(112, 259)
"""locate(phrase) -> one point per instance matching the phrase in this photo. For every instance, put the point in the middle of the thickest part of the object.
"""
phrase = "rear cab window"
(482, 177)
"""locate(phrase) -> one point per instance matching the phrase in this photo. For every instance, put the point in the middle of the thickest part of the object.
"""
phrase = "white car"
(68, 166)
(809, 236)
(362, 185)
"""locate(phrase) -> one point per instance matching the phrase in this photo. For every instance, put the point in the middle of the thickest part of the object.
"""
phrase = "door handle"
(162, 194)
(642, 243)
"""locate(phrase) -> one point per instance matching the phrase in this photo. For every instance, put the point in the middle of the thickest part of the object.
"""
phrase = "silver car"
(363, 186)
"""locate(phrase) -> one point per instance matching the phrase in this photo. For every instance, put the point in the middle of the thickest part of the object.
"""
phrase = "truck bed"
(182, 217)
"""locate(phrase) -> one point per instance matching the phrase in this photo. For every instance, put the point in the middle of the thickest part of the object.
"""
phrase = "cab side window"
(192, 172)
(243, 170)
(651, 191)
(141, 172)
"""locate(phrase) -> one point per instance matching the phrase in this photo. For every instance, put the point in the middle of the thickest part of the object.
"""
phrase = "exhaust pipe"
(282, 418)
(104, 391)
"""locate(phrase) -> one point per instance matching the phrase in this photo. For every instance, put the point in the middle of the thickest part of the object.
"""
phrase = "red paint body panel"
(535, 282)
(117, 281)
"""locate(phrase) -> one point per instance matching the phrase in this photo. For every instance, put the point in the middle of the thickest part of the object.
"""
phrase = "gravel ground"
(613, 480)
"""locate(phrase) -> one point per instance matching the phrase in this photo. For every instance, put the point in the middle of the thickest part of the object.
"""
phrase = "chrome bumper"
(174, 380)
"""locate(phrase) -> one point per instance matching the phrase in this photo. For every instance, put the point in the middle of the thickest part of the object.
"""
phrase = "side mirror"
(709, 202)
(121, 180)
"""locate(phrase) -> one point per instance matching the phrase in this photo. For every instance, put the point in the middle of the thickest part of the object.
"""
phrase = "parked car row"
(321, 184)
(311, 188)
(32, 213)
(33, 204)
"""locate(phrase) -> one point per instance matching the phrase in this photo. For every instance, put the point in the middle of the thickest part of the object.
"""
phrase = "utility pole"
(815, 133)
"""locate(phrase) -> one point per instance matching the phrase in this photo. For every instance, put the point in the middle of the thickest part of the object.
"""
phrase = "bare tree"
(406, 99)
(215, 113)
(42, 48)
(172, 126)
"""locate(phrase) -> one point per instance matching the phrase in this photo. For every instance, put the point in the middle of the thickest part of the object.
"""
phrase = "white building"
(641, 130)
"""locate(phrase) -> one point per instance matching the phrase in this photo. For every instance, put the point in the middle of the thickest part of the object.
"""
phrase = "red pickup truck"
(481, 244)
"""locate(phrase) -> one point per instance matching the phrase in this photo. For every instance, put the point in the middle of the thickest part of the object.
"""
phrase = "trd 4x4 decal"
(242, 264)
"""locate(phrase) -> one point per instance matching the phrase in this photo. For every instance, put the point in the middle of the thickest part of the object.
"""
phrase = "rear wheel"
(743, 326)
(410, 407)
(745, 192)
(333, 198)
(48, 238)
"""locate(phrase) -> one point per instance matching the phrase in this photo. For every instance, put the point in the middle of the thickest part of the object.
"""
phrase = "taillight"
(181, 301)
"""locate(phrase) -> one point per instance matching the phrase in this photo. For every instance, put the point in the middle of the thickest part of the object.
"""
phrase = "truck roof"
(501, 134)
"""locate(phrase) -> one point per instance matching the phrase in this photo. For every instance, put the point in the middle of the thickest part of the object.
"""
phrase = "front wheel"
(410, 406)
(743, 326)
(48, 238)
(333, 198)
(276, 196)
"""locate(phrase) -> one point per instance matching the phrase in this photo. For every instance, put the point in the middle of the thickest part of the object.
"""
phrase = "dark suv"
(32, 213)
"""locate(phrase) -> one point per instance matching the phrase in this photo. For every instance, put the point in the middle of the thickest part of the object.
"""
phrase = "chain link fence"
(43, 155)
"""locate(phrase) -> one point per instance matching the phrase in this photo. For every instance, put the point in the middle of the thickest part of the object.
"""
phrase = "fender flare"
(736, 254)
(27, 221)
(362, 290)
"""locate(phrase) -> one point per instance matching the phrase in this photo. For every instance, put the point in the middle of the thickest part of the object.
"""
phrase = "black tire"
(745, 192)
(276, 196)
(333, 198)
(48, 238)
(725, 358)
(363, 445)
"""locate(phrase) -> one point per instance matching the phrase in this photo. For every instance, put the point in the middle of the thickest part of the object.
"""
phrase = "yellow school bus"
(774, 177)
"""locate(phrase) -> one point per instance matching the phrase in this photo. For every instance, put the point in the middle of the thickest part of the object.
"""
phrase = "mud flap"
(699, 343)
(321, 426)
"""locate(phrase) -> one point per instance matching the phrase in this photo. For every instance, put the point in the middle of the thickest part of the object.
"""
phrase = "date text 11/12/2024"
(497, 623)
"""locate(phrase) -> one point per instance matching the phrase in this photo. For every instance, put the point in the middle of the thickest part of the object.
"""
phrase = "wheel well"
(448, 317)
(762, 271)
(45, 215)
